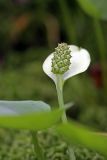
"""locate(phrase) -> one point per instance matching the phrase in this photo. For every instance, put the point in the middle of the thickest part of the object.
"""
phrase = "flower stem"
(37, 147)
(59, 88)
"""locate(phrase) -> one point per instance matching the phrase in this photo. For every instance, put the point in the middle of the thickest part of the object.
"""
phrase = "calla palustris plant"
(65, 62)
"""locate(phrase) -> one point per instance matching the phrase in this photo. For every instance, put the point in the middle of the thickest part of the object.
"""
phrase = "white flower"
(80, 60)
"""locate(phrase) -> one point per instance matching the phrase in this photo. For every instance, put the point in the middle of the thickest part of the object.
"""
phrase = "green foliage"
(15, 145)
(78, 134)
(99, 120)
(75, 90)
(26, 115)
(32, 121)
(95, 8)
(25, 82)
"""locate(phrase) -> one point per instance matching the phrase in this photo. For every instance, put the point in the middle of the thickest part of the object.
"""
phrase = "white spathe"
(80, 61)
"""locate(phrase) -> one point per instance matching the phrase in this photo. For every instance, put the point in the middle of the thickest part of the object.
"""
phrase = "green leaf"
(78, 134)
(22, 107)
(94, 8)
(27, 115)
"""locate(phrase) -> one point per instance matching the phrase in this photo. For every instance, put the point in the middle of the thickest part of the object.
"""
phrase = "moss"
(17, 145)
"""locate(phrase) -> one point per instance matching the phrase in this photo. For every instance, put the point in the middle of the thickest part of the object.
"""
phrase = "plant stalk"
(37, 147)
(59, 88)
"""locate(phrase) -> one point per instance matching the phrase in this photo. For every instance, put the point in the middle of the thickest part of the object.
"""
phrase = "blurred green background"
(29, 32)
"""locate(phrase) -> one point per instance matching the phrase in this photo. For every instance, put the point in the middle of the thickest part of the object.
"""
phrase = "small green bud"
(61, 59)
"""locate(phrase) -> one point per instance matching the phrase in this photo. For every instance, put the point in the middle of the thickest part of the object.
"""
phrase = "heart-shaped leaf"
(34, 115)
(78, 134)
(22, 107)
(95, 8)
